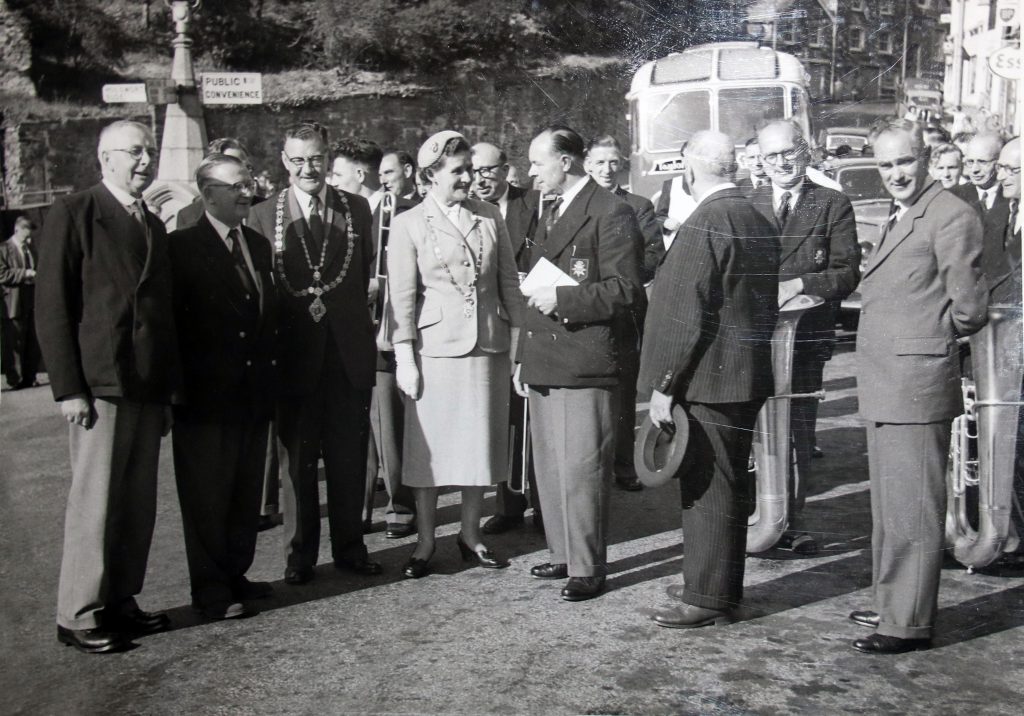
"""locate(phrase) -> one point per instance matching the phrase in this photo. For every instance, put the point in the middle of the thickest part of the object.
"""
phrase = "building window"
(856, 37)
(821, 36)
(884, 40)
(857, 5)
(787, 33)
(887, 7)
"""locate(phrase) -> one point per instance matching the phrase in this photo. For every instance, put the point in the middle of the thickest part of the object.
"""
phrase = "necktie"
(316, 222)
(240, 268)
(138, 212)
(1011, 225)
(551, 214)
(26, 250)
(782, 212)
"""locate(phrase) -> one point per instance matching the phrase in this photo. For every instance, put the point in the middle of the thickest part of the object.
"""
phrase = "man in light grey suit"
(922, 289)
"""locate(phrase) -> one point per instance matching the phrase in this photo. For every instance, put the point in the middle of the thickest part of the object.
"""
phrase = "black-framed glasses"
(1008, 168)
(788, 156)
(490, 172)
(136, 152)
(316, 161)
(237, 187)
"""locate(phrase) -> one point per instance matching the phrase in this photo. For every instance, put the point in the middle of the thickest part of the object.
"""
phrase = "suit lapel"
(335, 221)
(568, 225)
(220, 261)
(121, 229)
(903, 227)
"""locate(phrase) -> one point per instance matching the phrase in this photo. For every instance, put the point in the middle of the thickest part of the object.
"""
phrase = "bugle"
(989, 425)
(773, 455)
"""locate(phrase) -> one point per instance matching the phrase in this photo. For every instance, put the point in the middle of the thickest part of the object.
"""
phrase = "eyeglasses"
(790, 155)
(237, 187)
(137, 152)
(316, 161)
(1009, 169)
(979, 162)
(490, 172)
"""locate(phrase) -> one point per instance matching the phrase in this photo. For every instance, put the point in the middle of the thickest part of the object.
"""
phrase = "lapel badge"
(819, 257)
(579, 268)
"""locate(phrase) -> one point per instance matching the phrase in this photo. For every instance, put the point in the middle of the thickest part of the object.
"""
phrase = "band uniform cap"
(658, 453)
(431, 150)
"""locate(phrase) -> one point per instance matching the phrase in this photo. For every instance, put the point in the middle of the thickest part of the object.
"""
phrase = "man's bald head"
(980, 157)
(712, 154)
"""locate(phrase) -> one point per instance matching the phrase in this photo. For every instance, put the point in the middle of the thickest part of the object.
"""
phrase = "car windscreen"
(861, 183)
(671, 119)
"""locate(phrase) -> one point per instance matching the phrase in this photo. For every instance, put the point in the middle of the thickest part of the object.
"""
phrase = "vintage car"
(832, 139)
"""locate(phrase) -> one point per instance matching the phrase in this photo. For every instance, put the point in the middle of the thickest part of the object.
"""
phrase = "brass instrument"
(380, 305)
(989, 422)
(773, 455)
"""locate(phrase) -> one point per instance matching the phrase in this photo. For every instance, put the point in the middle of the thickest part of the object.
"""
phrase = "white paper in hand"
(544, 274)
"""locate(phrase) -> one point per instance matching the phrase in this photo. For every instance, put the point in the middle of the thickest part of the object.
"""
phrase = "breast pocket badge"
(579, 269)
(819, 258)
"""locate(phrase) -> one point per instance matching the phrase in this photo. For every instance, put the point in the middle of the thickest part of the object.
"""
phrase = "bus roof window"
(672, 119)
(684, 67)
(747, 64)
(742, 110)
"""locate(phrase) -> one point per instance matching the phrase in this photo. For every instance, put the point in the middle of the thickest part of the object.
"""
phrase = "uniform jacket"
(521, 217)
(713, 309)
(1000, 260)
(425, 307)
(228, 337)
(347, 321)
(594, 241)
(18, 289)
(922, 289)
(818, 245)
(103, 301)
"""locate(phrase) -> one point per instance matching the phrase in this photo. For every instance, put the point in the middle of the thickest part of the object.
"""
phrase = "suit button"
(241, 334)
(247, 297)
(465, 263)
(273, 362)
(529, 334)
(248, 362)
(565, 320)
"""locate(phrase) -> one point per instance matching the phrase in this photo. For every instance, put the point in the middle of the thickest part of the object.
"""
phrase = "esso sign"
(1007, 62)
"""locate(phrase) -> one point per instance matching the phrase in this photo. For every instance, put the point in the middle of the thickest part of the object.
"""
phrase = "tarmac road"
(473, 641)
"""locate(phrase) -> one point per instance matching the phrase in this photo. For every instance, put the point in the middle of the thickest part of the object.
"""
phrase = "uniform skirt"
(456, 434)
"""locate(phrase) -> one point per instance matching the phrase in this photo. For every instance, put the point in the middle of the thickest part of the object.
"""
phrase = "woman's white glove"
(407, 375)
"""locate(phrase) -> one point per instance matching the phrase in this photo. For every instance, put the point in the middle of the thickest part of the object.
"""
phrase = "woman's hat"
(658, 452)
(431, 150)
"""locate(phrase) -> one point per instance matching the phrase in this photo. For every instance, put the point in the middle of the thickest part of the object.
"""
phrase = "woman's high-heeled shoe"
(416, 568)
(485, 557)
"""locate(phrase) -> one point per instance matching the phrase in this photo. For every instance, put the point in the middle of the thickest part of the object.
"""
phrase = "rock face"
(15, 53)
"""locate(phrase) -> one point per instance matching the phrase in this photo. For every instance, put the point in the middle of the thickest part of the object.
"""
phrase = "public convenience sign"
(231, 88)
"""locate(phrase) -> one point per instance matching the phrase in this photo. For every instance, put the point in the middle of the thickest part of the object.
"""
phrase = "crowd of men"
(253, 333)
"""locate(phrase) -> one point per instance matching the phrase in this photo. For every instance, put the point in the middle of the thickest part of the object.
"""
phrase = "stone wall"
(15, 53)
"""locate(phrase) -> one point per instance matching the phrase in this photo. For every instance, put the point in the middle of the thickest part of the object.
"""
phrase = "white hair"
(108, 134)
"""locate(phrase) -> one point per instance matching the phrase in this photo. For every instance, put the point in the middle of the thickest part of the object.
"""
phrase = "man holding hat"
(708, 347)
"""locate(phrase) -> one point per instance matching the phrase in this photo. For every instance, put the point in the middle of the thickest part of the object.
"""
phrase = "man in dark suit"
(106, 328)
(1008, 172)
(567, 357)
(922, 290)
(321, 240)
(708, 348)
(17, 283)
(603, 163)
(519, 209)
(225, 307)
(191, 214)
(819, 256)
(754, 163)
(397, 175)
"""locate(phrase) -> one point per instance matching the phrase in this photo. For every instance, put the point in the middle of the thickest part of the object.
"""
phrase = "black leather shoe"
(676, 591)
(690, 616)
(91, 641)
(579, 589)
(136, 621)
(245, 589)
(550, 571)
(485, 557)
(501, 523)
(298, 575)
(360, 566)
(881, 644)
(629, 483)
(866, 618)
(398, 530)
(799, 543)
(416, 567)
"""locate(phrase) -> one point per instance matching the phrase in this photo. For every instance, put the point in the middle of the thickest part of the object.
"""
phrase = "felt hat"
(658, 452)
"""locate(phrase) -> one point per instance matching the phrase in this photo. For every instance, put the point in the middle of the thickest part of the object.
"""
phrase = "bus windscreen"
(742, 110)
(672, 119)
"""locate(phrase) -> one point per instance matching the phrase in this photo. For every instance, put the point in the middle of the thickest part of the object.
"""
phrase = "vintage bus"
(729, 86)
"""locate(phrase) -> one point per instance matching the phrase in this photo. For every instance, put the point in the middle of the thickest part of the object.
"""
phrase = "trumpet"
(989, 424)
(773, 456)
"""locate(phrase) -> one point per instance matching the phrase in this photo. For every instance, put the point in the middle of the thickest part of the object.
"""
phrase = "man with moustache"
(708, 348)
(519, 209)
(603, 163)
(819, 256)
(922, 290)
(106, 328)
(567, 357)
(225, 307)
(397, 171)
(323, 255)
(17, 310)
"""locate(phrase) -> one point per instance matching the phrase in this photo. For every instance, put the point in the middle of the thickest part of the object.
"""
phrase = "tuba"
(989, 426)
(773, 456)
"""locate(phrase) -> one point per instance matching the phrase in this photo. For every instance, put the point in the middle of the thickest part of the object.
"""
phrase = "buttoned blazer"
(922, 289)
(347, 322)
(103, 301)
(594, 241)
(18, 289)
(818, 245)
(227, 335)
(521, 216)
(1000, 263)
(425, 307)
(714, 307)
